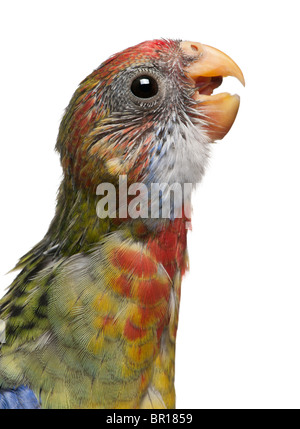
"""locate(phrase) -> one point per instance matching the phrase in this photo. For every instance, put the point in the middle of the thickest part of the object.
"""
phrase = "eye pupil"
(144, 87)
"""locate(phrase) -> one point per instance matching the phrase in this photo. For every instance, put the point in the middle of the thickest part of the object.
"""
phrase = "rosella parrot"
(91, 318)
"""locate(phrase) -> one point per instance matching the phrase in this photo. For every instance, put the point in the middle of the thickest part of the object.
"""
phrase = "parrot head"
(148, 112)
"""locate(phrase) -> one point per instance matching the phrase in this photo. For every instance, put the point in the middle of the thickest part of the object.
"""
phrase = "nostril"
(194, 47)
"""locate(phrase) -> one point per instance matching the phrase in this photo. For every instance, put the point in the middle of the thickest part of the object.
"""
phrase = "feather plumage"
(91, 319)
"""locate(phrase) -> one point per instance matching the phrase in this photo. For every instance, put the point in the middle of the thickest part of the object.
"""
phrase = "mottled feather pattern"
(107, 312)
(92, 316)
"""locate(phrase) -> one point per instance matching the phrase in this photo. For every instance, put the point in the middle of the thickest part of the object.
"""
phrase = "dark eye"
(144, 87)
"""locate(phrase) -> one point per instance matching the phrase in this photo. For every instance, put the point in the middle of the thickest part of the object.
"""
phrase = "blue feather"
(19, 398)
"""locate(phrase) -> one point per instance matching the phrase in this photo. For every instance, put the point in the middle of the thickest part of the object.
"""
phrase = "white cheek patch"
(177, 162)
(183, 157)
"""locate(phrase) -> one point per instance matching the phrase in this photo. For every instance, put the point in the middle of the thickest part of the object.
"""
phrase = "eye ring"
(144, 86)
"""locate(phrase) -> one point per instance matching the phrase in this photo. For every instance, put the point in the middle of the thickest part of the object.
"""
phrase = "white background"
(238, 340)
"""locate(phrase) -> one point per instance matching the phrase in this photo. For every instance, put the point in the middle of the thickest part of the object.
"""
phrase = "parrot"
(91, 318)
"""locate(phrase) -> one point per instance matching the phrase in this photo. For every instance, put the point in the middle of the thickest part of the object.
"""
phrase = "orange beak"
(207, 72)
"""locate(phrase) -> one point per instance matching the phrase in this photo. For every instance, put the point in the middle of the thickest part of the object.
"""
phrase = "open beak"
(207, 72)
